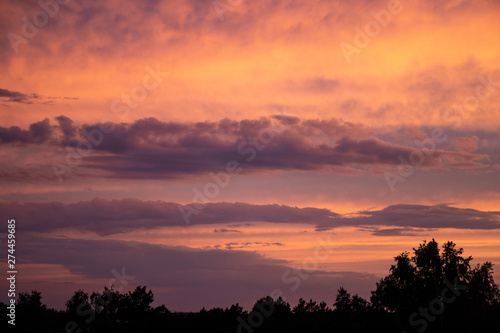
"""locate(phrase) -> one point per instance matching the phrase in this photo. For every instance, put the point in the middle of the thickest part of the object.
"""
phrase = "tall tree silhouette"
(430, 278)
(79, 310)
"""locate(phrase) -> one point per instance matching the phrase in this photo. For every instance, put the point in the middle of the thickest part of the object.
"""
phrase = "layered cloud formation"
(152, 149)
(111, 217)
(271, 122)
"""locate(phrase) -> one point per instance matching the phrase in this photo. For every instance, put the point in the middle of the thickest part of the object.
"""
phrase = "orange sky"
(186, 85)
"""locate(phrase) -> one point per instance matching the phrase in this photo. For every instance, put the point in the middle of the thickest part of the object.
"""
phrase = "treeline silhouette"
(430, 291)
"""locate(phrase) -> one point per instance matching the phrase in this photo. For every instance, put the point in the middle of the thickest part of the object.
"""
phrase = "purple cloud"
(186, 278)
(117, 216)
(152, 149)
(38, 132)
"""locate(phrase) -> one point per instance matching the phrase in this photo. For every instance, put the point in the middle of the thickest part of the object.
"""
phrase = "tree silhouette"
(434, 281)
(31, 312)
(431, 290)
(139, 300)
(31, 302)
(79, 310)
(80, 300)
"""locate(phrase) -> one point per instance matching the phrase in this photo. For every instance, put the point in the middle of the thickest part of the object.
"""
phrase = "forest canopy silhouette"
(432, 289)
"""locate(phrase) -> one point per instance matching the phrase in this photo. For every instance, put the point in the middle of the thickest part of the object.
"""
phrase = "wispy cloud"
(17, 97)
(242, 245)
(29, 98)
(226, 230)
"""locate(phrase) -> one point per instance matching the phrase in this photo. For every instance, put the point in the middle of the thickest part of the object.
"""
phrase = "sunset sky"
(210, 149)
